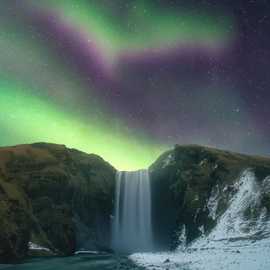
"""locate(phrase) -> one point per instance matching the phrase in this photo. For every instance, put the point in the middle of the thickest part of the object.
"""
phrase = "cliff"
(53, 197)
(193, 186)
(55, 200)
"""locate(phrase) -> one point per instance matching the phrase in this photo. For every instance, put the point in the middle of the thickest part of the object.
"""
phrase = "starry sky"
(128, 79)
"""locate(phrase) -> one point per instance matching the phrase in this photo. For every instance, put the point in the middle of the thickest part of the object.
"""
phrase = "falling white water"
(132, 228)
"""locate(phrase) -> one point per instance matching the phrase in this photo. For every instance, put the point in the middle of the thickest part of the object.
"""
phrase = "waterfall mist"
(132, 228)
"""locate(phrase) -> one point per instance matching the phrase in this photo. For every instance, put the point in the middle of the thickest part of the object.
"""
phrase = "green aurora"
(26, 119)
(143, 25)
(43, 99)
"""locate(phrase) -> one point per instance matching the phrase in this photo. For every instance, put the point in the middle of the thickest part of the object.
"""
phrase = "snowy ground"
(33, 246)
(234, 256)
(233, 244)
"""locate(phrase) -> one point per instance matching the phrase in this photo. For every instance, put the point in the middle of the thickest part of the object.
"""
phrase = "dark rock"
(15, 221)
(44, 189)
(182, 181)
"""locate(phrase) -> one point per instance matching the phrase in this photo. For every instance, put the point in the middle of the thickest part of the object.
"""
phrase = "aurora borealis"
(129, 79)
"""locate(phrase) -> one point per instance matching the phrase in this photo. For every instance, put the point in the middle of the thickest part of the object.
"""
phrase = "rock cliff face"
(61, 199)
(57, 198)
(193, 186)
(15, 221)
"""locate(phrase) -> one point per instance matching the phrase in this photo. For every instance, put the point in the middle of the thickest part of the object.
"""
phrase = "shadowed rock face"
(190, 183)
(15, 222)
(47, 193)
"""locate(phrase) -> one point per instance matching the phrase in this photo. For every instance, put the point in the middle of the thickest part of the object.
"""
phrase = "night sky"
(129, 79)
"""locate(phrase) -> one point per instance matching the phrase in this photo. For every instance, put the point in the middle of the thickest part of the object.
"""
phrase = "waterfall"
(131, 228)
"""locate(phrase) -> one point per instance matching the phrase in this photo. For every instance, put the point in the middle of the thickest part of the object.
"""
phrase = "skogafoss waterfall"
(132, 228)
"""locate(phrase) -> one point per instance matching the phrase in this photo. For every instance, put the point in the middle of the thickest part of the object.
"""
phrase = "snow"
(34, 246)
(182, 239)
(212, 203)
(167, 161)
(233, 223)
(93, 252)
(266, 185)
(233, 244)
(247, 256)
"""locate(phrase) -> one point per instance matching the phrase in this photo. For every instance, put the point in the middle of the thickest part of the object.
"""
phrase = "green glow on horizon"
(25, 118)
